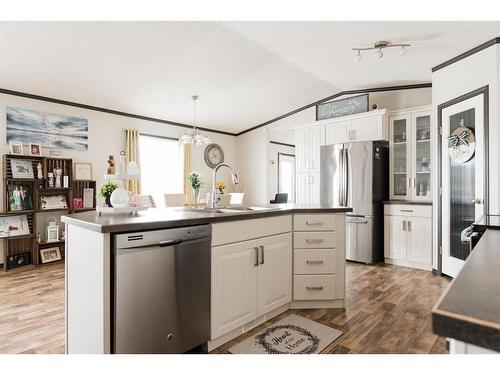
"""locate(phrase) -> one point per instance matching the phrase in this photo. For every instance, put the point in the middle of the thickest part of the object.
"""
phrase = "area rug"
(292, 335)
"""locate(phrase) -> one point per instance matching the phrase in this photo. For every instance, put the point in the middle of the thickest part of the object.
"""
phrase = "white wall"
(471, 73)
(272, 168)
(107, 136)
(252, 153)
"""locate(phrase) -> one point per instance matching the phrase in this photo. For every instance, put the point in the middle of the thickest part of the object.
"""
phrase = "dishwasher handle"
(169, 243)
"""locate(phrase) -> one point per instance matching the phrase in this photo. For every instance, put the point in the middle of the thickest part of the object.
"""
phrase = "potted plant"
(196, 184)
(106, 190)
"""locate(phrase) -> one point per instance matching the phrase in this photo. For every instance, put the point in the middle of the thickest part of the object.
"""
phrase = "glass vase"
(196, 195)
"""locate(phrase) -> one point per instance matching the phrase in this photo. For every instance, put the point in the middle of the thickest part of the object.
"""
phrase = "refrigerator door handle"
(346, 177)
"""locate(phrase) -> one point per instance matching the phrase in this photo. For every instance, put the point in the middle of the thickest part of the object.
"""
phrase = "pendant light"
(194, 137)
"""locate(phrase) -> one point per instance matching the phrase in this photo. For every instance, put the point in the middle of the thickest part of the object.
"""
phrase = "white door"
(421, 156)
(419, 240)
(302, 150)
(302, 188)
(399, 161)
(462, 183)
(337, 132)
(275, 273)
(234, 286)
(286, 175)
(395, 237)
(316, 140)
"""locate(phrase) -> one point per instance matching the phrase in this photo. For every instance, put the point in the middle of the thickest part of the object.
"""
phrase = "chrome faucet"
(215, 191)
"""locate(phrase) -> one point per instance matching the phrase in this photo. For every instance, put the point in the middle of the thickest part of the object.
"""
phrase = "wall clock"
(461, 144)
(214, 155)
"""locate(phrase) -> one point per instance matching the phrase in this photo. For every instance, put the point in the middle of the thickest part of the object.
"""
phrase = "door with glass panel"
(421, 156)
(286, 175)
(463, 182)
(399, 161)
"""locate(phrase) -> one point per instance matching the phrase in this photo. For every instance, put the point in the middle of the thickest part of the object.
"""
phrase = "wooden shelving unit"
(28, 244)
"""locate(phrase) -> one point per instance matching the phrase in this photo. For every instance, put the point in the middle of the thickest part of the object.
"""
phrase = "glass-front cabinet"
(410, 151)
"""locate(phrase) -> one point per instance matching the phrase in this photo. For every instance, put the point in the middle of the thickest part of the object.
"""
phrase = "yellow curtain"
(187, 170)
(132, 154)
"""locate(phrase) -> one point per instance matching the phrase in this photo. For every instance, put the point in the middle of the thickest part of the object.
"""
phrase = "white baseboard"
(405, 263)
(331, 304)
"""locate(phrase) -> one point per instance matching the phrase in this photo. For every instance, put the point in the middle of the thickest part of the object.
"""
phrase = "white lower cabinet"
(249, 279)
(408, 235)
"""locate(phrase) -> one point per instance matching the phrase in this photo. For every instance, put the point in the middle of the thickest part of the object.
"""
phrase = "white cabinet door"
(399, 161)
(316, 140)
(314, 187)
(368, 129)
(275, 273)
(302, 188)
(419, 240)
(234, 286)
(337, 132)
(395, 237)
(302, 159)
(421, 156)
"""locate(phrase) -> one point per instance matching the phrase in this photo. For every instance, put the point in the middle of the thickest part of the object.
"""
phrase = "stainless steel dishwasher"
(162, 290)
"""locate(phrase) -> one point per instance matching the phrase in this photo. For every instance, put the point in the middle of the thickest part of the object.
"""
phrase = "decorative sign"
(461, 144)
(344, 107)
(287, 339)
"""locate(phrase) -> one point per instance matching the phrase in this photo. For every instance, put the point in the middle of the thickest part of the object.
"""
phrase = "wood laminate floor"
(388, 311)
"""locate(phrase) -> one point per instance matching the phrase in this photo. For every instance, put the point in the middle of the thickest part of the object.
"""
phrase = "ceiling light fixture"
(194, 137)
(380, 45)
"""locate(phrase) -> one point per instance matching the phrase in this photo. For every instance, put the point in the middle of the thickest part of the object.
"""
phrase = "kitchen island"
(263, 261)
(468, 313)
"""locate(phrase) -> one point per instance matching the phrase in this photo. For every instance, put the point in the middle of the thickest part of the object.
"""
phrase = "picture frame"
(16, 148)
(88, 198)
(19, 196)
(50, 254)
(53, 202)
(35, 149)
(14, 225)
(22, 169)
(82, 171)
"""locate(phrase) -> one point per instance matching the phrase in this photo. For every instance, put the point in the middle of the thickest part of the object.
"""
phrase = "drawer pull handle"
(357, 222)
(406, 210)
(315, 261)
(314, 240)
(314, 288)
(314, 223)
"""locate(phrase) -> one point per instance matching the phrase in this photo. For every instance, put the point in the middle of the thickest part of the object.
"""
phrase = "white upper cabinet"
(369, 126)
(308, 142)
(337, 132)
(410, 155)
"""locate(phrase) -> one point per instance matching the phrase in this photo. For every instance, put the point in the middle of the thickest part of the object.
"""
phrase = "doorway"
(286, 175)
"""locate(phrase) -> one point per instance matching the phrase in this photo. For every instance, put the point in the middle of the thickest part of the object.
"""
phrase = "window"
(286, 175)
(162, 166)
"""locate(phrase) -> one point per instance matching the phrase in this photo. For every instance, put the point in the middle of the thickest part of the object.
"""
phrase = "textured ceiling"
(244, 72)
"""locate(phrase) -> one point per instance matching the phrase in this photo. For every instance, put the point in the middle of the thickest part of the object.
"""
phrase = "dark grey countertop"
(161, 218)
(469, 310)
(408, 202)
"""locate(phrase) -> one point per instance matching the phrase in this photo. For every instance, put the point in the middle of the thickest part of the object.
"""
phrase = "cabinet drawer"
(313, 287)
(313, 240)
(313, 261)
(314, 222)
(410, 210)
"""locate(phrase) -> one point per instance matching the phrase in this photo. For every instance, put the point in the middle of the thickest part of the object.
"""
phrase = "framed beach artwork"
(48, 130)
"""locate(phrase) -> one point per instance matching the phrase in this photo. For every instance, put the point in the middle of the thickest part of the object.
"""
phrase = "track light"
(357, 56)
(402, 51)
(379, 54)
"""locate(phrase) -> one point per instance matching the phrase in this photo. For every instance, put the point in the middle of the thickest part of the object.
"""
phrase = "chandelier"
(194, 137)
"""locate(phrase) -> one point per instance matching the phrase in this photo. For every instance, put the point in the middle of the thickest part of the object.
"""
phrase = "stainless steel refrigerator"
(356, 175)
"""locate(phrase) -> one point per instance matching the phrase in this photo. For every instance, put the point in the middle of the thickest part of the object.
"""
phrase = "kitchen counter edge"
(164, 218)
